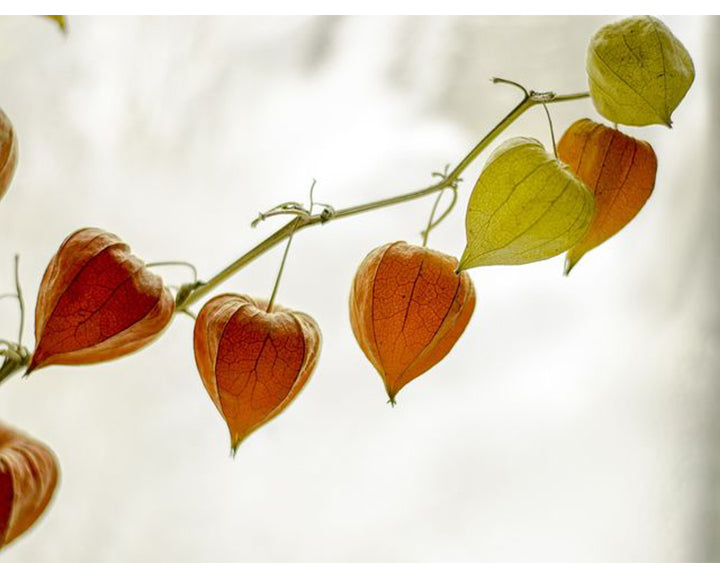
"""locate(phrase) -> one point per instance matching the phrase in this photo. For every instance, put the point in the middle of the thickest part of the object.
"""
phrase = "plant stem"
(282, 265)
(301, 222)
(552, 131)
(15, 355)
(21, 301)
(432, 224)
(426, 233)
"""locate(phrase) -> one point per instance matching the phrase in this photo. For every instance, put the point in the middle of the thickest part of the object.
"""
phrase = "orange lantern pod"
(252, 362)
(28, 477)
(97, 302)
(618, 169)
(408, 307)
(8, 153)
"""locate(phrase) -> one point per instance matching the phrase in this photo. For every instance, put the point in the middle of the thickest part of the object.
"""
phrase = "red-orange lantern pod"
(408, 307)
(618, 169)
(97, 302)
(252, 362)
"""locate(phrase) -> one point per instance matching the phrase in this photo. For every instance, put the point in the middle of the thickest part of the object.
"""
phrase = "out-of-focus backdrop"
(577, 419)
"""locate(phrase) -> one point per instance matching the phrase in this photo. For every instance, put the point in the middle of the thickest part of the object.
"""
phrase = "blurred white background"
(578, 419)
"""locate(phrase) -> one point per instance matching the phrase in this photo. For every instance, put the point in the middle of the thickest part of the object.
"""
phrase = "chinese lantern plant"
(409, 305)
(98, 302)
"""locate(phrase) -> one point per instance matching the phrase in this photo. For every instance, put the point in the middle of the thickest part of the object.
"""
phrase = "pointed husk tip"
(570, 263)
(391, 396)
(31, 367)
(235, 441)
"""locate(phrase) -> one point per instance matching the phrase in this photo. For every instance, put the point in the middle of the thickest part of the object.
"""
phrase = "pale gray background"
(576, 420)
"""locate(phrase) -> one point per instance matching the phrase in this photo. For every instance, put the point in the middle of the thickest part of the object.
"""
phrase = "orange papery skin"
(8, 153)
(28, 477)
(618, 169)
(97, 302)
(408, 307)
(253, 363)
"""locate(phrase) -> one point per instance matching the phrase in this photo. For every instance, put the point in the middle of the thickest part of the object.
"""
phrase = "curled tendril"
(498, 80)
(537, 97)
(453, 188)
(298, 209)
(287, 208)
(15, 355)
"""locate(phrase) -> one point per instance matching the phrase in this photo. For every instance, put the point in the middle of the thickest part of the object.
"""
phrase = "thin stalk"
(447, 211)
(302, 222)
(15, 356)
(432, 224)
(21, 301)
(426, 232)
(552, 130)
(282, 267)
